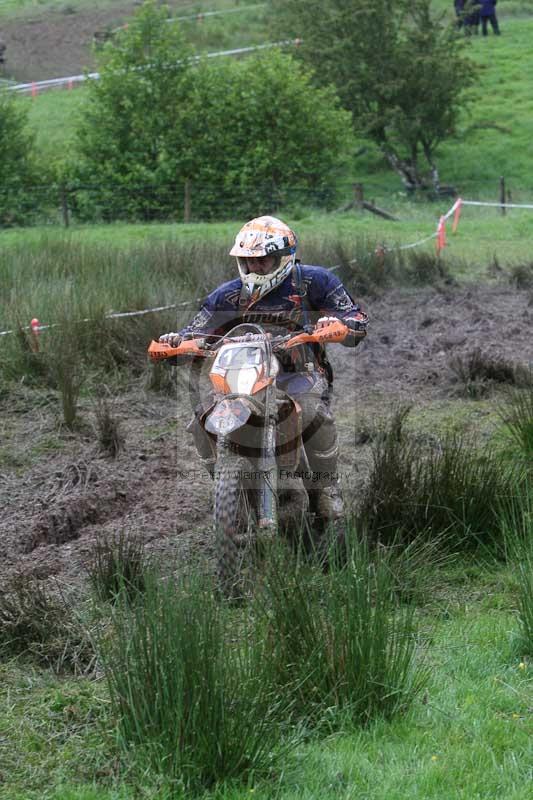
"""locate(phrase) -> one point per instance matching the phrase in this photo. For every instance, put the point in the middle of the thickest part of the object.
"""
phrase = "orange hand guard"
(333, 332)
(160, 350)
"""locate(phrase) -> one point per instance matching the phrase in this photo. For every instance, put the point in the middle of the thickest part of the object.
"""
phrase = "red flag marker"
(441, 234)
(33, 89)
(35, 325)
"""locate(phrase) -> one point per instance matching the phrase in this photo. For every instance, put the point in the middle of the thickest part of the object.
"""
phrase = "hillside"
(53, 38)
(492, 140)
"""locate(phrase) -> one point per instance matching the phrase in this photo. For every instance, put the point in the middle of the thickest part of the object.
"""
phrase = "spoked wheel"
(234, 525)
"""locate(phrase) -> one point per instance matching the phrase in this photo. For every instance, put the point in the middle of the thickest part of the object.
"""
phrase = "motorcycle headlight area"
(241, 366)
(227, 416)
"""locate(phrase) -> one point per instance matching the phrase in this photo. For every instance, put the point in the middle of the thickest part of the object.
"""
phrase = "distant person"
(472, 17)
(459, 6)
(487, 12)
(467, 13)
(2, 51)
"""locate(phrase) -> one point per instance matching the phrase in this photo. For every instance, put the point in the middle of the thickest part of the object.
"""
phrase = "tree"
(248, 135)
(16, 165)
(399, 69)
(144, 91)
(265, 136)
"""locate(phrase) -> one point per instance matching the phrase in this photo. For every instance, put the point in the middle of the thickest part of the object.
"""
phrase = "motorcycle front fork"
(268, 487)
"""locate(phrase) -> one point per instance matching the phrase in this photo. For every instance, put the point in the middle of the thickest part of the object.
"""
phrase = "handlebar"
(333, 332)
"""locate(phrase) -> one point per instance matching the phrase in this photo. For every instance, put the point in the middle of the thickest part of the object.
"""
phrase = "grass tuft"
(341, 640)
(108, 428)
(40, 625)
(188, 689)
(517, 524)
(426, 267)
(521, 275)
(477, 372)
(448, 491)
(517, 416)
(118, 565)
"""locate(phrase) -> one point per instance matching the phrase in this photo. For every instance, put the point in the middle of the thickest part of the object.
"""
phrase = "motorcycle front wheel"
(235, 519)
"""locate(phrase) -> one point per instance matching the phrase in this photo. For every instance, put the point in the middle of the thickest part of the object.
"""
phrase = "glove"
(173, 339)
(357, 322)
(324, 321)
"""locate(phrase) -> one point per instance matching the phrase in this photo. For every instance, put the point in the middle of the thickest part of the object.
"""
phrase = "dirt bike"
(255, 434)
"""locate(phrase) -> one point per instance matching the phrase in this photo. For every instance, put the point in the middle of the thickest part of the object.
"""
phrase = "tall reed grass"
(189, 686)
(63, 280)
(58, 281)
(342, 640)
(517, 417)
(450, 491)
(517, 528)
(203, 692)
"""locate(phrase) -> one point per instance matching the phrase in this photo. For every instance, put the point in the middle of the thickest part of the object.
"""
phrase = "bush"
(242, 134)
(17, 170)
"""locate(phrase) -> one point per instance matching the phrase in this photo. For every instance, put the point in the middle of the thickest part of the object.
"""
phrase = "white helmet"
(264, 236)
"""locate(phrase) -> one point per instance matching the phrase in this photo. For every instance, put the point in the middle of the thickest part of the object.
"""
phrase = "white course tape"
(111, 315)
(457, 204)
(70, 80)
(414, 244)
(496, 205)
(201, 14)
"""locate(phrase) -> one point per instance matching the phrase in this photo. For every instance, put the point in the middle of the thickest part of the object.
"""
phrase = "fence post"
(64, 205)
(358, 195)
(502, 194)
(187, 200)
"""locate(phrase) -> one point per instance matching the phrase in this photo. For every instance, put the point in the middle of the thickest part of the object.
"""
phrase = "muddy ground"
(52, 44)
(58, 492)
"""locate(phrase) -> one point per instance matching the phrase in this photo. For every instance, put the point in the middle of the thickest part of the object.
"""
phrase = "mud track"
(58, 493)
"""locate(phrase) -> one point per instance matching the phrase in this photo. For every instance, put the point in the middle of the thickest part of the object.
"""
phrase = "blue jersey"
(284, 307)
(297, 301)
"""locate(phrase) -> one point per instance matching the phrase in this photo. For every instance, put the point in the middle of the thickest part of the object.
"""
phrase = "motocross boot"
(329, 504)
(322, 449)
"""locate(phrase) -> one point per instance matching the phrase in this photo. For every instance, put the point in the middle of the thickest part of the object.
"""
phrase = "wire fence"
(189, 200)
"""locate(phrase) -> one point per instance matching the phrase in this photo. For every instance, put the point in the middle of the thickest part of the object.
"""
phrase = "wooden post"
(187, 201)
(64, 205)
(502, 194)
(358, 195)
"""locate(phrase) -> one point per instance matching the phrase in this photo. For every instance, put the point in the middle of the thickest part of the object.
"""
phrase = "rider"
(276, 291)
